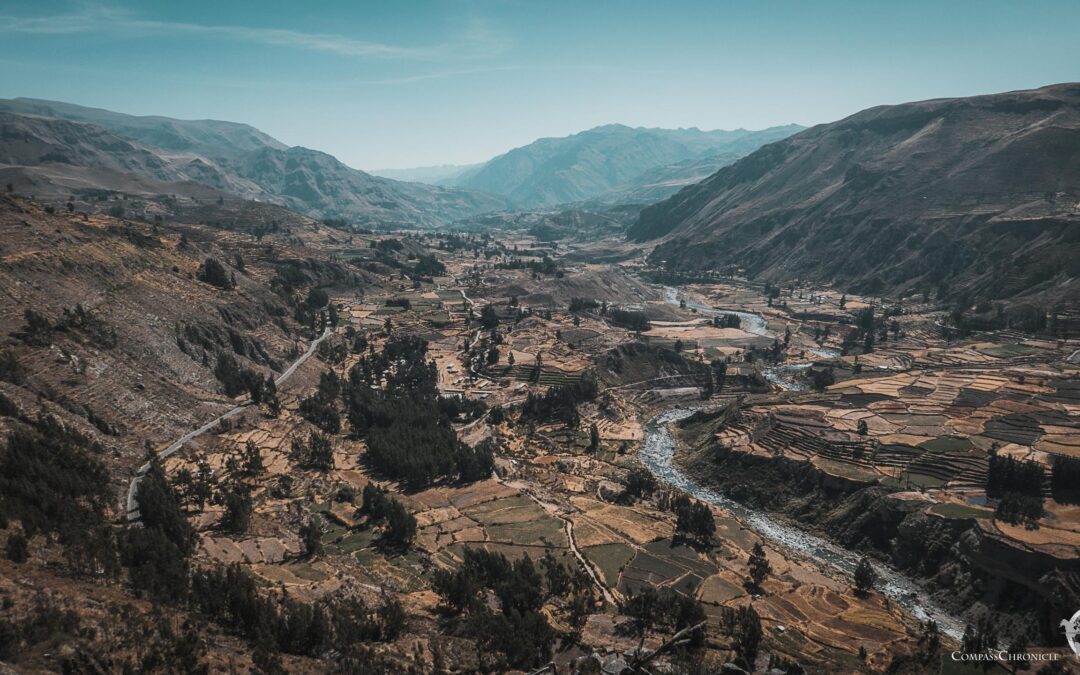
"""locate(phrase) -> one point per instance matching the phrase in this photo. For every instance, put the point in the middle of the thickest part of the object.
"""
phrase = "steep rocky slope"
(133, 333)
(975, 196)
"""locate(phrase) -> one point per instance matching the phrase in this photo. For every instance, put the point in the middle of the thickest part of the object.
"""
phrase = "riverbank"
(658, 455)
(953, 569)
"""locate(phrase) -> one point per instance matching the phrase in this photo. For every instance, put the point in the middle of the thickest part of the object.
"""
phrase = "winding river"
(658, 456)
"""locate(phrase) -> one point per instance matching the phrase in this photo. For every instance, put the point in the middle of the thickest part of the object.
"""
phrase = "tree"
(214, 273)
(400, 526)
(743, 624)
(720, 369)
(865, 577)
(251, 460)
(979, 638)
(1065, 479)
(518, 631)
(863, 429)
(640, 483)
(311, 535)
(759, 567)
(594, 438)
(38, 329)
(156, 551)
(17, 550)
(317, 453)
(694, 520)
(238, 507)
(555, 575)
(488, 318)
(823, 378)
(270, 397)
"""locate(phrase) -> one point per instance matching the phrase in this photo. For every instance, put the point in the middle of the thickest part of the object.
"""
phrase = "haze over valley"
(684, 339)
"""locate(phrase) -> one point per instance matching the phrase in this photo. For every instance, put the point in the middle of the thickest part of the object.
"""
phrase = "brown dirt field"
(720, 589)
(626, 521)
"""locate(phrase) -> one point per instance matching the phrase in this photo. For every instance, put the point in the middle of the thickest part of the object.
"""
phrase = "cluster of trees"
(544, 266)
(822, 378)
(429, 266)
(489, 319)
(321, 408)
(743, 625)
(693, 521)
(231, 597)
(263, 392)
(481, 353)
(81, 321)
(1007, 474)
(1065, 479)
(629, 319)
(382, 509)
(518, 633)
(52, 483)
(727, 321)
(719, 373)
(639, 484)
(664, 609)
(10, 369)
(38, 329)
(559, 402)
(1018, 485)
(156, 550)
(310, 311)
(315, 452)
(581, 305)
(214, 273)
(235, 379)
(392, 401)
(459, 408)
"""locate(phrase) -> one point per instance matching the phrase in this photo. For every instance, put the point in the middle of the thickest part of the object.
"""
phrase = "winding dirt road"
(132, 502)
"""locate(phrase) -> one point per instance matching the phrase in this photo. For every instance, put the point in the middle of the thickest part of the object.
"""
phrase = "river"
(658, 456)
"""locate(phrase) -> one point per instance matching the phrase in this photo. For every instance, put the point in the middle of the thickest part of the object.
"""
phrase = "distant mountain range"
(55, 147)
(614, 160)
(969, 197)
(55, 142)
(444, 174)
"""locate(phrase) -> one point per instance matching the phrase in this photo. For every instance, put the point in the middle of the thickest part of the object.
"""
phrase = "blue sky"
(394, 84)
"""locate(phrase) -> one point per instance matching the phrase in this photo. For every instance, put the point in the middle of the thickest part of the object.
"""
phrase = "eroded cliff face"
(966, 564)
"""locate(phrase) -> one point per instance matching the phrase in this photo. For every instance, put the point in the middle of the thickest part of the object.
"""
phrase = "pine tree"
(759, 567)
(865, 577)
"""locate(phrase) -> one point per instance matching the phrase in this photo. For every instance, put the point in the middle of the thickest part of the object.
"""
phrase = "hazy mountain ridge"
(979, 194)
(232, 157)
(576, 168)
(212, 138)
(444, 174)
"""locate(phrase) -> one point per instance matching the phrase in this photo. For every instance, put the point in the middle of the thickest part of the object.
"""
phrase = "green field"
(610, 558)
(960, 511)
(1012, 351)
(921, 480)
(946, 444)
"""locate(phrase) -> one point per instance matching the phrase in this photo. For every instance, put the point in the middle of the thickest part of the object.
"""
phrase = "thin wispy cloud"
(479, 40)
(465, 72)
